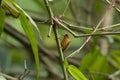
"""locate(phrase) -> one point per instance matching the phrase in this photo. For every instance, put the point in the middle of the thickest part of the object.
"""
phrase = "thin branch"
(78, 50)
(116, 7)
(50, 15)
(60, 52)
(86, 35)
(66, 7)
(57, 40)
(89, 37)
(74, 13)
(62, 25)
(43, 51)
(80, 28)
(25, 42)
(49, 33)
(74, 26)
(8, 77)
(25, 64)
(98, 34)
(113, 75)
(25, 73)
(48, 9)
(111, 26)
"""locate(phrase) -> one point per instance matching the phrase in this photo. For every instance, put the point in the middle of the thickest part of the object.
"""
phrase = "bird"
(65, 42)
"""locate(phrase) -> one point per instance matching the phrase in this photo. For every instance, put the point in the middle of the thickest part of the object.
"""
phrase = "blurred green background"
(99, 58)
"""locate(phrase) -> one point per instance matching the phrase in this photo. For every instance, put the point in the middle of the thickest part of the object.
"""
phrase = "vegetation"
(59, 40)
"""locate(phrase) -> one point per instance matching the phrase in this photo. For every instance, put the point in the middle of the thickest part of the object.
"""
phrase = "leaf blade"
(76, 73)
(31, 36)
(30, 19)
(8, 4)
(2, 14)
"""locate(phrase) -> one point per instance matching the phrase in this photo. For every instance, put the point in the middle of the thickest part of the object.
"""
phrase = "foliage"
(2, 13)
(33, 27)
(74, 71)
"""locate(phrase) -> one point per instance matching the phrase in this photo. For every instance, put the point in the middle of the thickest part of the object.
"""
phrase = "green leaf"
(89, 60)
(2, 18)
(30, 19)
(66, 63)
(31, 36)
(8, 4)
(115, 58)
(98, 7)
(100, 65)
(75, 72)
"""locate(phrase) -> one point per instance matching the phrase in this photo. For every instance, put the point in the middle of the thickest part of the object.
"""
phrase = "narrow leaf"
(66, 63)
(8, 4)
(89, 60)
(2, 18)
(31, 36)
(100, 65)
(75, 72)
(30, 19)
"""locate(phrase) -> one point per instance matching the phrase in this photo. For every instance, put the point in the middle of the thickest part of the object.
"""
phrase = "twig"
(51, 26)
(86, 35)
(78, 50)
(113, 5)
(25, 73)
(8, 77)
(66, 7)
(74, 26)
(89, 37)
(80, 28)
(49, 10)
(111, 26)
(74, 13)
(60, 52)
(113, 75)
(98, 34)
(25, 64)
(50, 16)
(25, 42)
(56, 20)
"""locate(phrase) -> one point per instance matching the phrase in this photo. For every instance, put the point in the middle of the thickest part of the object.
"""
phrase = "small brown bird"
(65, 42)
